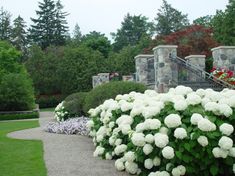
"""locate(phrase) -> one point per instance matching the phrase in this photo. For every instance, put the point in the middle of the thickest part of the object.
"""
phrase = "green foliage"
(224, 25)
(170, 19)
(110, 90)
(74, 103)
(205, 21)
(47, 101)
(50, 27)
(9, 57)
(16, 93)
(33, 115)
(5, 25)
(133, 28)
(20, 157)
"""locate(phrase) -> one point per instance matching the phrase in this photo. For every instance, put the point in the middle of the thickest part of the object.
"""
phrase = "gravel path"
(68, 155)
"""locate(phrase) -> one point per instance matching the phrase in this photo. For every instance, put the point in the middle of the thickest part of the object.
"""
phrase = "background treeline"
(61, 63)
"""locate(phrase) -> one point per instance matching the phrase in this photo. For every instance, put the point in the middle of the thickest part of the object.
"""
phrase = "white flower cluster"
(60, 114)
(144, 131)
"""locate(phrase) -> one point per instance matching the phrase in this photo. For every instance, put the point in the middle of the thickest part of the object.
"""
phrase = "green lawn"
(47, 109)
(20, 157)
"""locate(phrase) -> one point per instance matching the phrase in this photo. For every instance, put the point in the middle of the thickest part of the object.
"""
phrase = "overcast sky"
(106, 15)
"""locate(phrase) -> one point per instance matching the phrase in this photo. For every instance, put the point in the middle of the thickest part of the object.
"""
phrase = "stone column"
(141, 66)
(197, 61)
(100, 79)
(166, 71)
(224, 57)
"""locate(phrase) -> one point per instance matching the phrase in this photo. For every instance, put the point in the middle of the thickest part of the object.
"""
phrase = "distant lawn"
(47, 109)
(20, 157)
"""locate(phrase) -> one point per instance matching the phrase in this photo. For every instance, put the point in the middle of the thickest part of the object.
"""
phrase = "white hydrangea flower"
(212, 106)
(206, 125)
(180, 133)
(119, 164)
(205, 100)
(193, 99)
(231, 101)
(219, 153)
(172, 121)
(148, 163)
(152, 124)
(149, 112)
(161, 140)
(112, 140)
(163, 130)
(225, 143)
(168, 152)
(147, 149)
(203, 141)
(111, 124)
(125, 128)
(136, 110)
(129, 156)
(120, 149)
(140, 127)
(226, 129)
(126, 106)
(138, 139)
(168, 166)
(99, 138)
(180, 105)
(118, 142)
(156, 161)
(182, 169)
(182, 90)
(108, 156)
(124, 119)
(225, 110)
(195, 118)
(98, 151)
(151, 93)
(90, 124)
(176, 171)
(232, 152)
(131, 167)
(149, 138)
(162, 173)
(200, 92)
(152, 174)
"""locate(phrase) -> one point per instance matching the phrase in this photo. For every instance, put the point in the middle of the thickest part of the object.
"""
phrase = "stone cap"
(144, 56)
(165, 46)
(195, 56)
(223, 47)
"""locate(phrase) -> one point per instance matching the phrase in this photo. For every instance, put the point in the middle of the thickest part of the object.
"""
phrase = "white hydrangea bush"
(60, 113)
(182, 132)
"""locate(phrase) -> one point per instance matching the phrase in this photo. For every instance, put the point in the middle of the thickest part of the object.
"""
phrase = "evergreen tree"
(170, 20)
(77, 34)
(61, 27)
(5, 25)
(133, 28)
(205, 21)
(224, 25)
(50, 26)
(19, 34)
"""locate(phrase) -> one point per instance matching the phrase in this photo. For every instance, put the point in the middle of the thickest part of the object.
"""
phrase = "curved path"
(67, 155)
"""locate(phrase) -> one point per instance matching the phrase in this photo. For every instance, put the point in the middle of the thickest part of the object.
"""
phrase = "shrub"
(16, 92)
(177, 133)
(74, 103)
(49, 101)
(33, 115)
(109, 90)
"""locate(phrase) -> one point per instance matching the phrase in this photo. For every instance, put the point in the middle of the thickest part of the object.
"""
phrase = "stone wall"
(199, 62)
(166, 71)
(100, 79)
(224, 57)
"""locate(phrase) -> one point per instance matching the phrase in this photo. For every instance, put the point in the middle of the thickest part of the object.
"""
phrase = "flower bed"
(69, 126)
(223, 74)
(181, 132)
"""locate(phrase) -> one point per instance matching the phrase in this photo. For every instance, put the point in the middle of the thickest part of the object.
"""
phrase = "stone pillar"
(224, 57)
(197, 61)
(166, 70)
(141, 66)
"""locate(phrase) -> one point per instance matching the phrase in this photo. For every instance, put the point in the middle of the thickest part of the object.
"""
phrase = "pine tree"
(19, 39)
(77, 34)
(42, 32)
(5, 25)
(170, 20)
(61, 27)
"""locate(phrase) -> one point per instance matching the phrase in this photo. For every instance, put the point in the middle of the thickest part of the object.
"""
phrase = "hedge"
(32, 115)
